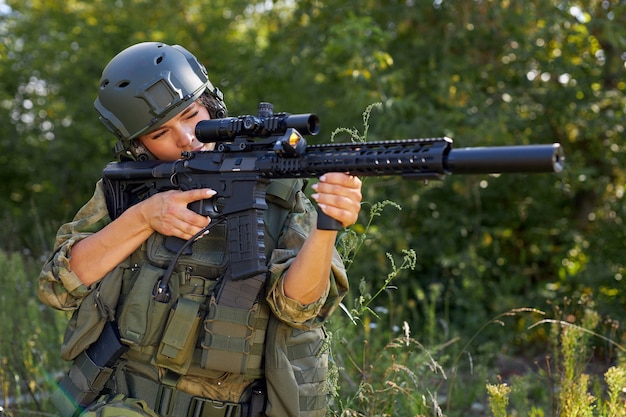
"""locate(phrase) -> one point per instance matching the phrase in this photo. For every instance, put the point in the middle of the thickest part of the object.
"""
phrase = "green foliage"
(572, 380)
(573, 396)
(482, 72)
(498, 399)
(31, 336)
(616, 381)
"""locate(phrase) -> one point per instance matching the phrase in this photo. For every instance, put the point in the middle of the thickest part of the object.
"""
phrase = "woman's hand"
(167, 212)
(339, 196)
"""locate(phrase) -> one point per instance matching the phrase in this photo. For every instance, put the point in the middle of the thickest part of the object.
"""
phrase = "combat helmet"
(146, 85)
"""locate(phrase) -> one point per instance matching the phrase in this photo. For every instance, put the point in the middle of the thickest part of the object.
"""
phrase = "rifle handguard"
(325, 222)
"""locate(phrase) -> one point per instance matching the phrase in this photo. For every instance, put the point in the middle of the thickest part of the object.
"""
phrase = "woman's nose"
(185, 138)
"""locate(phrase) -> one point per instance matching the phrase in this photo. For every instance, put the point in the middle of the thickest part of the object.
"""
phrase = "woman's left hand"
(339, 196)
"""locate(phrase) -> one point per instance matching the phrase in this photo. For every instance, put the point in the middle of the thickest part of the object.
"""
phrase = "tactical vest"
(192, 335)
(167, 333)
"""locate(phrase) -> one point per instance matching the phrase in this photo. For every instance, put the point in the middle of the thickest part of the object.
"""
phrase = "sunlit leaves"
(484, 73)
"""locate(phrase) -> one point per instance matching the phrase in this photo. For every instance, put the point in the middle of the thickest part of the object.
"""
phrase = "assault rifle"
(251, 150)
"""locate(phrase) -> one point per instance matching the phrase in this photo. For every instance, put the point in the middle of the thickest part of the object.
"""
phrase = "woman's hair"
(217, 108)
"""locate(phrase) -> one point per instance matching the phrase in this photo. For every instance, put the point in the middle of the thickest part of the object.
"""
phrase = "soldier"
(190, 356)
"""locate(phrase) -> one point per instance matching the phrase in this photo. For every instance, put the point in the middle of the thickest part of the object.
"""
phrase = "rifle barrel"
(503, 159)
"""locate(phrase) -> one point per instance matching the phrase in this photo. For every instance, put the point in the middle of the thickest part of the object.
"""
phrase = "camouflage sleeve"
(289, 311)
(59, 287)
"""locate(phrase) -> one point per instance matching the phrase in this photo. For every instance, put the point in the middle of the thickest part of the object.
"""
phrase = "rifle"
(251, 150)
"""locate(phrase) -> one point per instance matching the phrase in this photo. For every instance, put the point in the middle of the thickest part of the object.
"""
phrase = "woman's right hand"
(168, 214)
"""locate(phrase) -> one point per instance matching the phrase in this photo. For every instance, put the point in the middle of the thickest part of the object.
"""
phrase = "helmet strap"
(132, 151)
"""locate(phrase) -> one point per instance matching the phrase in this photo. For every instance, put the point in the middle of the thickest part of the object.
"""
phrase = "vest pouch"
(234, 339)
(296, 369)
(96, 309)
(181, 333)
(142, 318)
(208, 258)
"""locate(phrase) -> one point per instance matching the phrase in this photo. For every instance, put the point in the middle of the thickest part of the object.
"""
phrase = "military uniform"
(295, 331)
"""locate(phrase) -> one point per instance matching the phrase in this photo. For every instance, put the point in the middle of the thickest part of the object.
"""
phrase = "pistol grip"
(325, 222)
(207, 207)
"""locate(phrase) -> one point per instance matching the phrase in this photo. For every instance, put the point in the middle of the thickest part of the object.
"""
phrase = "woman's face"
(178, 134)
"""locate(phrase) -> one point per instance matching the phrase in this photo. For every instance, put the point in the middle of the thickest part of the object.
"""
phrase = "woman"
(151, 96)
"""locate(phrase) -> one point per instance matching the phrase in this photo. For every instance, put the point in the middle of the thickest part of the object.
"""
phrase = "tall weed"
(31, 336)
(406, 377)
(568, 376)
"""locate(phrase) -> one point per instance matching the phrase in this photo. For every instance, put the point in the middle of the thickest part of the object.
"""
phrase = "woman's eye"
(158, 135)
(194, 114)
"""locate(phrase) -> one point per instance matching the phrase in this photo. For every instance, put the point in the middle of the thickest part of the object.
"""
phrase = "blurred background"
(478, 275)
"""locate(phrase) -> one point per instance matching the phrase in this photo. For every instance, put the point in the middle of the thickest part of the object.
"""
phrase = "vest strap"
(168, 401)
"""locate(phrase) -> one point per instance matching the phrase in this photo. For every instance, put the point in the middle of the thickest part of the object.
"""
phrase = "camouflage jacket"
(61, 288)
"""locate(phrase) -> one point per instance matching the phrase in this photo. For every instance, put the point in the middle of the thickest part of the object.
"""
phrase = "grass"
(405, 378)
(31, 338)
(378, 370)
(402, 377)
(380, 367)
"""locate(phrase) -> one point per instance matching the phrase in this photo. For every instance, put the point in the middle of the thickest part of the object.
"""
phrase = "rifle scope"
(265, 124)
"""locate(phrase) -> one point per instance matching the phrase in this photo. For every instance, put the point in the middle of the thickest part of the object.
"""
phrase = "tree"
(481, 72)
